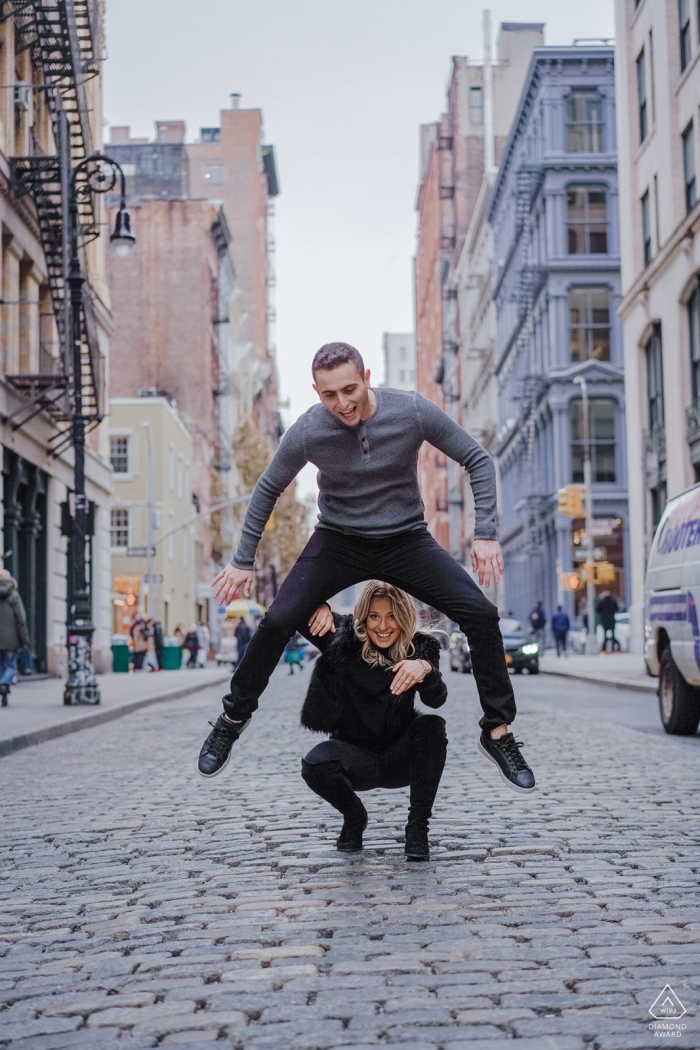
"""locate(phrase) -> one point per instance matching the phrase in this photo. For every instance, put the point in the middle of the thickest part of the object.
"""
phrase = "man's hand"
(487, 559)
(229, 583)
(322, 621)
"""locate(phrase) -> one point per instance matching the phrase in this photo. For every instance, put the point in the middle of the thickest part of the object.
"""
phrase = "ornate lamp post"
(101, 174)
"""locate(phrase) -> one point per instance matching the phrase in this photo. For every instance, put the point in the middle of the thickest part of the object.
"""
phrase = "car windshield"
(509, 626)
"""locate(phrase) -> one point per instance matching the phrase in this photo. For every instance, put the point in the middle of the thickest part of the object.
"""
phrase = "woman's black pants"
(335, 770)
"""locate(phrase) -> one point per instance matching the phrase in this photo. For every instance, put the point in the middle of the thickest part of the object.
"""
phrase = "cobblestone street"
(143, 906)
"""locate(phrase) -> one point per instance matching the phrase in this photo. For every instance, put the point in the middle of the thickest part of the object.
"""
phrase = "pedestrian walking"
(139, 636)
(294, 653)
(362, 693)
(158, 643)
(243, 635)
(606, 608)
(365, 444)
(560, 629)
(14, 633)
(538, 623)
(150, 662)
(191, 645)
(203, 643)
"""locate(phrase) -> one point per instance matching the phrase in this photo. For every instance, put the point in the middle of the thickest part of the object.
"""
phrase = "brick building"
(455, 153)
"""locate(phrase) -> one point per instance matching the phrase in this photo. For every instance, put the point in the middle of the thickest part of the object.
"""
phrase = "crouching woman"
(362, 693)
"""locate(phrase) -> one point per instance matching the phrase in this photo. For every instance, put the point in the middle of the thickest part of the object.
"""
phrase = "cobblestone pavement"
(143, 906)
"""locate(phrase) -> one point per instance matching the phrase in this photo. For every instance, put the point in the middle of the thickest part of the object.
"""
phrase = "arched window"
(694, 331)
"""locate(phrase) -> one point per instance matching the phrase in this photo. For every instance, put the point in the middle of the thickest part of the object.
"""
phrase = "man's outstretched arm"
(286, 463)
(455, 442)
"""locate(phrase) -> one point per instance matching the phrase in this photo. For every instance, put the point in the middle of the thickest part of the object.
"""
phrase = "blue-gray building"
(554, 213)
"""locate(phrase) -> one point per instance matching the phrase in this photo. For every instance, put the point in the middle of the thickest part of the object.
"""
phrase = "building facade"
(179, 558)
(455, 153)
(43, 87)
(556, 285)
(658, 85)
(399, 349)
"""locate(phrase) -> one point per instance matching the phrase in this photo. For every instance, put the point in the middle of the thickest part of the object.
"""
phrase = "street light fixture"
(98, 174)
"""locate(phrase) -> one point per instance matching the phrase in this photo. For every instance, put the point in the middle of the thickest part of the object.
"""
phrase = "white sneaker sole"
(210, 776)
(504, 778)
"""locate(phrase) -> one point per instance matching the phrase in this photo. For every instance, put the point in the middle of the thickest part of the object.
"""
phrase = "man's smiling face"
(345, 393)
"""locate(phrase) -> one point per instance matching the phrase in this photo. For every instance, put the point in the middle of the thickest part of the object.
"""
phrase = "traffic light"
(570, 581)
(599, 572)
(570, 501)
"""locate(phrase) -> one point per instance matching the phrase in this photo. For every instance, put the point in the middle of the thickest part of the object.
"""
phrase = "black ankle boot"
(327, 780)
(350, 838)
(417, 847)
(4, 693)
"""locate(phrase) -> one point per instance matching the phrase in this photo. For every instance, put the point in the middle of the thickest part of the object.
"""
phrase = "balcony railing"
(656, 442)
(692, 422)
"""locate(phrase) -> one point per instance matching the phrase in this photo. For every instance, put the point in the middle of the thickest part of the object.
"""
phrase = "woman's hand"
(322, 621)
(408, 673)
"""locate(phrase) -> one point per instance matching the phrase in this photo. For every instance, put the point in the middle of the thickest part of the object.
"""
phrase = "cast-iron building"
(556, 287)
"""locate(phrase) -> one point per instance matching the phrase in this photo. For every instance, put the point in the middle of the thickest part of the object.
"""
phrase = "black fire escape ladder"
(65, 39)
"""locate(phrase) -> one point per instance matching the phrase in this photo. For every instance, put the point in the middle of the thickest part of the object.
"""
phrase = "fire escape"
(64, 37)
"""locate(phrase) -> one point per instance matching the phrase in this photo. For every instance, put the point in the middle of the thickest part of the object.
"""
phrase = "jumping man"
(371, 525)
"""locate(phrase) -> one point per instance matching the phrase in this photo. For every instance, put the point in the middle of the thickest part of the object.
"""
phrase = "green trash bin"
(121, 654)
(172, 654)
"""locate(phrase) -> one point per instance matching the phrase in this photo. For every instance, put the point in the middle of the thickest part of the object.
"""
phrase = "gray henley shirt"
(368, 474)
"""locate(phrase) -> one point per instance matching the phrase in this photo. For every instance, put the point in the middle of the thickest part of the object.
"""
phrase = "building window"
(476, 105)
(119, 454)
(119, 527)
(214, 174)
(646, 229)
(584, 122)
(642, 96)
(684, 31)
(658, 503)
(587, 220)
(180, 478)
(601, 421)
(655, 379)
(689, 166)
(171, 469)
(589, 313)
(403, 353)
(694, 326)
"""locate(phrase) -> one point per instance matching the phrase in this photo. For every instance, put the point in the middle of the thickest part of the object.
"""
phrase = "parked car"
(460, 657)
(671, 596)
(522, 651)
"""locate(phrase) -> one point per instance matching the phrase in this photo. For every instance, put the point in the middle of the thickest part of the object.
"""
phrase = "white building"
(399, 360)
(658, 89)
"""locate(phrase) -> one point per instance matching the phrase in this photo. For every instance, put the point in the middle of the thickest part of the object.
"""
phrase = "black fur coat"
(326, 696)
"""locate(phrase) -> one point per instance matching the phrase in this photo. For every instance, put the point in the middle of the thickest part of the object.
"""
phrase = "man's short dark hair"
(332, 355)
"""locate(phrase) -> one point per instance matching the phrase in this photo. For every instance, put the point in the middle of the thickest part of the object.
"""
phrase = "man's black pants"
(413, 561)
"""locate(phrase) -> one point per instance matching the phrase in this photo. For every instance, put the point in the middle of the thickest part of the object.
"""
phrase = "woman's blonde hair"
(404, 612)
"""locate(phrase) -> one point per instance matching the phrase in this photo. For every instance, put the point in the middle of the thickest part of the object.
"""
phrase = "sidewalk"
(622, 670)
(36, 711)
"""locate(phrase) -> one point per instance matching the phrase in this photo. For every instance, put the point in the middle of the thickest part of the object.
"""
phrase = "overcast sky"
(344, 86)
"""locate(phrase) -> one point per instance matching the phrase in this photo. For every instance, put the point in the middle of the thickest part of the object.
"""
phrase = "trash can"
(172, 654)
(121, 654)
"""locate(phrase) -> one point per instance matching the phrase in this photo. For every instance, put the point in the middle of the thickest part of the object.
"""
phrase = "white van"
(671, 600)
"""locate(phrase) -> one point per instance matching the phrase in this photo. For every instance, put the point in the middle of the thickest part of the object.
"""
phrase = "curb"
(634, 686)
(16, 743)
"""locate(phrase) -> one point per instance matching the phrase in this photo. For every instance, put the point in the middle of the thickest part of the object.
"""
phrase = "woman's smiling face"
(381, 627)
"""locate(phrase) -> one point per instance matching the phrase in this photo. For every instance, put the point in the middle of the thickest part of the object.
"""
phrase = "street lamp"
(591, 637)
(100, 175)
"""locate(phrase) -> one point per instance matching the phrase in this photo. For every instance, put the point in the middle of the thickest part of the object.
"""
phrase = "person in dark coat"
(243, 635)
(560, 629)
(191, 645)
(14, 633)
(538, 623)
(362, 693)
(606, 609)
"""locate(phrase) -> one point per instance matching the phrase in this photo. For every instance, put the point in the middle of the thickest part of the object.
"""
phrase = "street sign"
(140, 552)
(156, 577)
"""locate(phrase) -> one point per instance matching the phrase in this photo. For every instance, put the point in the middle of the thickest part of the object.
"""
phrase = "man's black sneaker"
(216, 749)
(505, 753)
(417, 847)
(350, 838)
